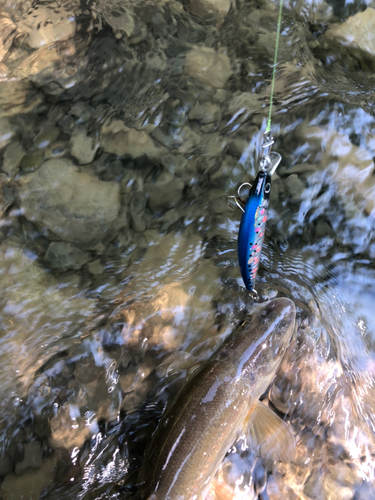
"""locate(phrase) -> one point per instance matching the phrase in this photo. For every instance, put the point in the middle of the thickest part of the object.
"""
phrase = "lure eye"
(267, 188)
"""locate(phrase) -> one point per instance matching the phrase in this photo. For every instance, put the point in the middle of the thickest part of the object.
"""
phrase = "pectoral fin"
(270, 436)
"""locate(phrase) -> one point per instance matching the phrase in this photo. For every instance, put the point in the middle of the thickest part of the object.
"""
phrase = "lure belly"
(252, 229)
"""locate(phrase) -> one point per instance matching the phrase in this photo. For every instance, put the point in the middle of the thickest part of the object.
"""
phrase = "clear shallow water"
(118, 259)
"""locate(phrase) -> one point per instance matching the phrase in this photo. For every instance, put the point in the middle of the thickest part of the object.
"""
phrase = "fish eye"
(267, 188)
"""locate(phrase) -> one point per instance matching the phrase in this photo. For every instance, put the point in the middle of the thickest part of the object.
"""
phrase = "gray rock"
(137, 207)
(83, 147)
(73, 205)
(13, 155)
(63, 256)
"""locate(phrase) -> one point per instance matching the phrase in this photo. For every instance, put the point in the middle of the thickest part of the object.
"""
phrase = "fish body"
(252, 229)
(194, 435)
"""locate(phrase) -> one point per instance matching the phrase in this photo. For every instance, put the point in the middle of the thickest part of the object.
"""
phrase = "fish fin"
(270, 436)
(220, 491)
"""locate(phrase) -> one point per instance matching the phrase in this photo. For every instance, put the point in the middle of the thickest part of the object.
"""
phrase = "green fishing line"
(268, 129)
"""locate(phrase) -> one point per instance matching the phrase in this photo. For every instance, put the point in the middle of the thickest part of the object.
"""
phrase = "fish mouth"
(280, 314)
(282, 307)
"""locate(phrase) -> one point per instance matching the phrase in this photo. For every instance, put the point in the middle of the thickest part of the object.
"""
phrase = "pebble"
(137, 207)
(46, 137)
(95, 267)
(13, 155)
(64, 256)
(83, 147)
(31, 161)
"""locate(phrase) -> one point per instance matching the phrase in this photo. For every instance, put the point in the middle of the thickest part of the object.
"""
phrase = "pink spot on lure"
(264, 219)
(262, 211)
(257, 229)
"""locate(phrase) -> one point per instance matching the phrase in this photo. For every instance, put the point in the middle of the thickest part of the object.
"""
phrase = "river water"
(124, 125)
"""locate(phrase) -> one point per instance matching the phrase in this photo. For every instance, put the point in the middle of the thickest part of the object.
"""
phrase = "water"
(118, 252)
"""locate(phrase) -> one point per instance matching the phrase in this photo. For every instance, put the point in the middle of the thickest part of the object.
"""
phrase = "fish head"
(270, 328)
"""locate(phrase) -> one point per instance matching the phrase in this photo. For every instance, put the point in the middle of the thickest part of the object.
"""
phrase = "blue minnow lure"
(254, 217)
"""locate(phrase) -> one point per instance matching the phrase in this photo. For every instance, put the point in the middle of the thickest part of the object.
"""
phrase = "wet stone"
(83, 147)
(13, 155)
(46, 137)
(31, 161)
(64, 256)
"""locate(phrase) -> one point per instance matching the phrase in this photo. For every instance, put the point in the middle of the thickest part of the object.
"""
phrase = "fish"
(252, 229)
(217, 404)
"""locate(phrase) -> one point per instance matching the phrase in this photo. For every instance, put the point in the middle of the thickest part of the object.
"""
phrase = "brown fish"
(216, 405)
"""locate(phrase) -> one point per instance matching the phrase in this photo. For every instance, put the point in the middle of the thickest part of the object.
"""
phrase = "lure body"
(252, 228)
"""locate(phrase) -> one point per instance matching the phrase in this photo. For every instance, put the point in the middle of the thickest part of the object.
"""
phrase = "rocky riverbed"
(123, 128)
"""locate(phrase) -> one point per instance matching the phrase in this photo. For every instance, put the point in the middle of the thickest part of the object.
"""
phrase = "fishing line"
(268, 129)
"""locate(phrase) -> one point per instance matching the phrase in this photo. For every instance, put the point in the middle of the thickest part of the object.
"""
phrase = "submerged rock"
(83, 147)
(204, 8)
(119, 139)
(65, 256)
(357, 32)
(73, 205)
(7, 132)
(45, 25)
(13, 155)
(209, 66)
(68, 428)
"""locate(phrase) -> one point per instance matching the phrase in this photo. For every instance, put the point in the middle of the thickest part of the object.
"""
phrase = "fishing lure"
(254, 217)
